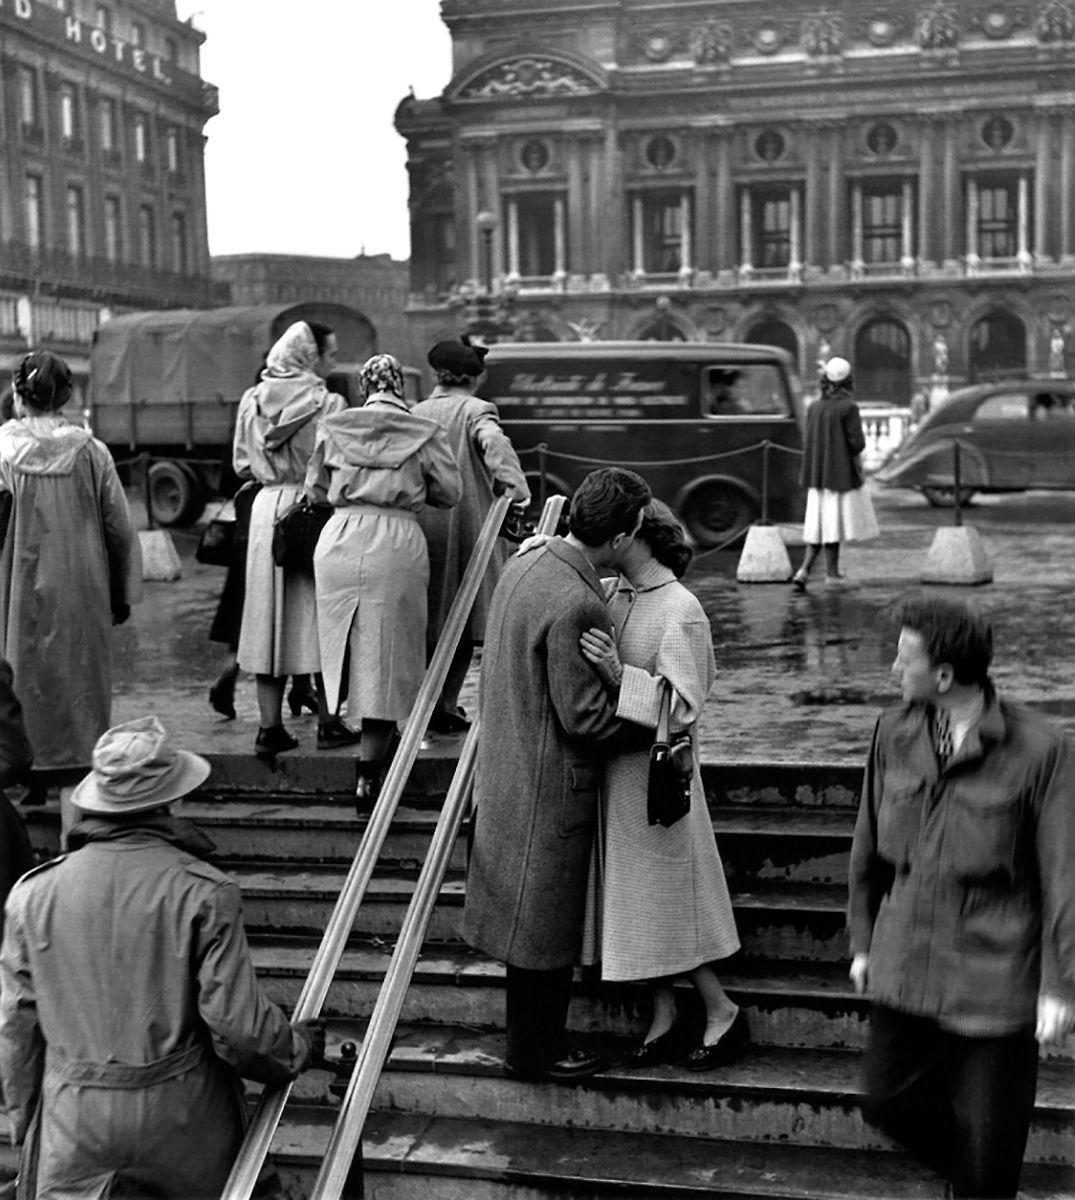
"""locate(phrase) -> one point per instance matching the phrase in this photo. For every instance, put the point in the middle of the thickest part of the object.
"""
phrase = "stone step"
(806, 1097)
(799, 921)
(476, 1158)
(788, 1004)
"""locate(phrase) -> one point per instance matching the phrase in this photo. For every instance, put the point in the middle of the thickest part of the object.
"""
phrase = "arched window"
(996, 347)
(883, 363)
(774, 332)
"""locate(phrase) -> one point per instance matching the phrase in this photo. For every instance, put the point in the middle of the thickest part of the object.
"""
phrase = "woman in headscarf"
(376, 465)
(64, 573)
(274, 435)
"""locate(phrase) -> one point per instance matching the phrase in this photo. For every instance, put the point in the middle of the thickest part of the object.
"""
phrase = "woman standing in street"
(838, 507)
(64, 573)
(376, 465)
(487, 462)
(274, 435)
(662, 907)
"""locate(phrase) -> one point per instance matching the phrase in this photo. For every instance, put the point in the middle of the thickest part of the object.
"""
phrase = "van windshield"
(644, 389)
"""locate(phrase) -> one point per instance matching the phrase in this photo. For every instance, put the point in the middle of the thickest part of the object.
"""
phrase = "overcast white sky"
(303, 158)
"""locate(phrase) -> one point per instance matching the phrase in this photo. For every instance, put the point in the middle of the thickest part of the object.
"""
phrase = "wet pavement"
(800, 677)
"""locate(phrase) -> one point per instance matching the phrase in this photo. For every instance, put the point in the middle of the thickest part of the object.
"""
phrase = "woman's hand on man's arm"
(600, 651)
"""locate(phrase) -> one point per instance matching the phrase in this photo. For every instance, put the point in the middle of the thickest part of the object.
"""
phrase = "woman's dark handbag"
(216, 546)
(671, 767)
(295, 534)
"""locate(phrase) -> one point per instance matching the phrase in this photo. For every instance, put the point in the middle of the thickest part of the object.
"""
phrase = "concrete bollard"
(764, 558)
(160, 562)
(958, 556)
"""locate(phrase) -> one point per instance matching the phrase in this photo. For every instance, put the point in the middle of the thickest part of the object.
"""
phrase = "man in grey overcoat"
(548, 723)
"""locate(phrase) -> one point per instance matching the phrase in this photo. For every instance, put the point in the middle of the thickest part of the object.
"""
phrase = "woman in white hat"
(128, 1003)
(838, 507)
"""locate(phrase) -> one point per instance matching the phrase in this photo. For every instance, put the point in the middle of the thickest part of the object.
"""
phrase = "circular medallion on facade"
(881, 31)
(882, 139)
(769, 145)
(767, 39)
(658, 47)
(997, 23)
(660, 152)
(997, 132)
(534, 155)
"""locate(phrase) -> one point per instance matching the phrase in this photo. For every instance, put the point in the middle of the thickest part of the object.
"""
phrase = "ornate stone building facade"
(102, 186)
(893, 180)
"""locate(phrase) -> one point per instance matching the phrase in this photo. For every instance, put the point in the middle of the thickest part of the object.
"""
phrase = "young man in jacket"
(548, 723)
(962, 905)
(129, 1009)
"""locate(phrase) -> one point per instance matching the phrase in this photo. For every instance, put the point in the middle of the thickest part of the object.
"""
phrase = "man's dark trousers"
(537, 1004)
(963, 1105)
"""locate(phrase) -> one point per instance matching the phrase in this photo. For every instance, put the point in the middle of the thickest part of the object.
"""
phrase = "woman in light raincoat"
(64, 572)
(274, 434)
(377, 465)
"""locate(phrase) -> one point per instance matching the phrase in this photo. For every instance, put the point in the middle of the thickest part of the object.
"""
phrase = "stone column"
(1023, 255)
(686, 261)
(610, 215)
(703, 205)
(973, 252)
(795, 264)
(1043, 187)
(811, 247)
(513, 239)
(577, 234)
(857, 263)
(559, 240)
(725, 215)
(837, 200)
(470, 248)
(927, 200)
(949, 246)
(1067, 198)
(491, 201)
(746, 233)
(638, 263)
(907, 229)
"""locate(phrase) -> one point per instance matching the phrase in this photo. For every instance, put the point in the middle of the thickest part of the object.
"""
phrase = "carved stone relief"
(937, 26)
(530, 77)
(823, 34)
(1056, 21)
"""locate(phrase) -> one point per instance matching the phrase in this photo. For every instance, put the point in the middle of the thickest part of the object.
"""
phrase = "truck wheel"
(714, 512)
(945, 497)
(175, 493)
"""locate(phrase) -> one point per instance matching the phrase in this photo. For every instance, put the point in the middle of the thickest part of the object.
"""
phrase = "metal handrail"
(347, 1131)
(259, 1135)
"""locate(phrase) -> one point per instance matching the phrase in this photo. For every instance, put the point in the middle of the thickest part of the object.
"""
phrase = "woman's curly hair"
(664, 535)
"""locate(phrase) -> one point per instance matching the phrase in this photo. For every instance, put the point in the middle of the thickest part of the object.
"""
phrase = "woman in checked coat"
(661, 907)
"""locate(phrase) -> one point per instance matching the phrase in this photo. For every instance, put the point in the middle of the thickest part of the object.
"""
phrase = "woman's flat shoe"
(301, 697)
(222, 695)
(663, 1049)
(798, 581)
(726, 1049)
(274, 740)
(334, 733)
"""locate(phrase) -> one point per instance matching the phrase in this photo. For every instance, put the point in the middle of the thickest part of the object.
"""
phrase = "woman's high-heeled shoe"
(663, 1049)
(728, 1047)
(222, 693)
(301, 696)
(273, 740)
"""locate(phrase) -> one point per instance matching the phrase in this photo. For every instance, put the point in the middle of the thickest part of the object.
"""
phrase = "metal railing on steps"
(259, 1135)
(343, 1142)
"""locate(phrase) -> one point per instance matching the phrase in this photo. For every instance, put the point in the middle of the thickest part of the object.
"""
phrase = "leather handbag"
(216, 546)
(295, 534)
(671, 768)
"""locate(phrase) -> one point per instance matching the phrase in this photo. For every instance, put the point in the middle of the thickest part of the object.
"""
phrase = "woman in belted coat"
(376, 465)
(274, 435)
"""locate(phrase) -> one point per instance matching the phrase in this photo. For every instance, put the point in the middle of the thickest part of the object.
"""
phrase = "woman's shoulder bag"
(295, 534)
(671, 767)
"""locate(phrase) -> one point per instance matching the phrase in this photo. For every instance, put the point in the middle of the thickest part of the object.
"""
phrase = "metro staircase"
(447, 1124)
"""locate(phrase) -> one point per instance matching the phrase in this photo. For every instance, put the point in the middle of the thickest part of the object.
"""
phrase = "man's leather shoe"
(578, 1064)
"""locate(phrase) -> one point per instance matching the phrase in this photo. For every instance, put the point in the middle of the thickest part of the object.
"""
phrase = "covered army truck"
(168, 384)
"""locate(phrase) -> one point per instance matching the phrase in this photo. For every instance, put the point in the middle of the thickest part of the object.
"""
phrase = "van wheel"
(176, 496)
(945, 497)
(715, 512)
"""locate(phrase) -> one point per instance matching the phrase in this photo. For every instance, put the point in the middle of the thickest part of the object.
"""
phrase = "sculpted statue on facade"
(1056, 21)
(937, 26)
(711, 43)
(823, 35)
(530, 77)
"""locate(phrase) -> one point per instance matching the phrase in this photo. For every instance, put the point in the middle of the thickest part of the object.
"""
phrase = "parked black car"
(1014, 435)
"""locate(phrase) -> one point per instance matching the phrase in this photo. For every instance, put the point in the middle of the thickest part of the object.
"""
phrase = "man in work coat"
(128, 1003)
(547, 724)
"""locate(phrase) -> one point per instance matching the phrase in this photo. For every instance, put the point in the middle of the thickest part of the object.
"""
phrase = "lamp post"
(487, 222)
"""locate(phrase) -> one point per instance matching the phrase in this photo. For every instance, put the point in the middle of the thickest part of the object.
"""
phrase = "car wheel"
(945, 497)
(176, 496)
(715, 512)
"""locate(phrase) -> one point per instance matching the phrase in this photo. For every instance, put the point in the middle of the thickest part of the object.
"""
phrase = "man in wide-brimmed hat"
(128, 1003)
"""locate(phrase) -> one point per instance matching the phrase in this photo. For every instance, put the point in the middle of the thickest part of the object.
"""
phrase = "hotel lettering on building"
(891, 181)
(102, 184)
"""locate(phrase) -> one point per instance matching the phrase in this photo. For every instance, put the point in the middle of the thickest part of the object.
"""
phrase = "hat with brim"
(836, 370)
(135, 768)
